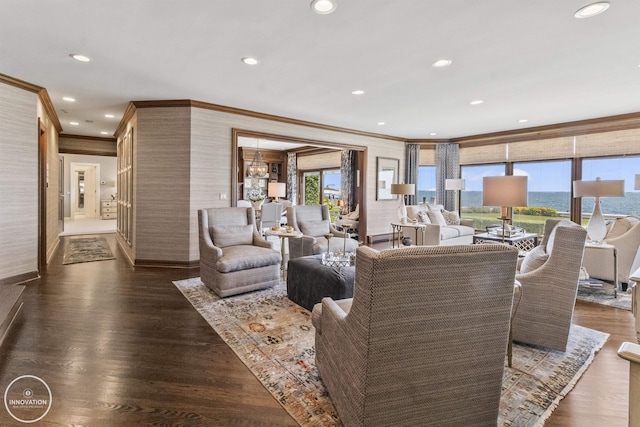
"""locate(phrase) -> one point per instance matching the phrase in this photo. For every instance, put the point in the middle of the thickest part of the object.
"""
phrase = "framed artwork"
(387, 170)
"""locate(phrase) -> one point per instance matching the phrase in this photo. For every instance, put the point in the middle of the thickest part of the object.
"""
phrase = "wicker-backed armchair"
(549, 279)
(423, 341)
(234, 258)
(313, 221)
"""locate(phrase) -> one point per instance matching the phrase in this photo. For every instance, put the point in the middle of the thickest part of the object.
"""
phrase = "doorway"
(84, 183)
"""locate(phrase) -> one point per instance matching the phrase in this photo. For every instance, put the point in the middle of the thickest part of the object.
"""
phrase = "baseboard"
(10, 306)
(20, 278)
(166, 263)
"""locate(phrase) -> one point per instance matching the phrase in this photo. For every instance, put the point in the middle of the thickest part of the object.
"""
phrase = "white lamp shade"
(403, 189)
(599, 188)
(277, 189)
(637, 186)
(504, 191)
(454, 184)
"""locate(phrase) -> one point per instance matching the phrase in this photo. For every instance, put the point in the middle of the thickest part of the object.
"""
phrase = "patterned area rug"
(86, 249)
(594, 290)
(275, 339)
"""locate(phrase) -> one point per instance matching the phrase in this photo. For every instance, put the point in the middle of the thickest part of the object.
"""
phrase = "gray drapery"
(292, 185)
(447, 167)
(411, 170)
(347, 181)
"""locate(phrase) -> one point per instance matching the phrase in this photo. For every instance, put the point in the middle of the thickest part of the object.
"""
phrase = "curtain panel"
(447, 167)
(411, 169)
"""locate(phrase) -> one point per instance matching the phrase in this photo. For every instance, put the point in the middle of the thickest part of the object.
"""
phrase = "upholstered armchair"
(549, 279)
(624, 234)
(234, 258)
(313, 222)
(424, 338)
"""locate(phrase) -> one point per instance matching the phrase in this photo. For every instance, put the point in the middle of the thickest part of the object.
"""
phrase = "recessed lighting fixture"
(323, 7)
(442, 63)
(74, 123)
(104, 132)
(79, 57)
(381, 123)
(250, 61)
(592, 10)
(523, 121)
(68, 99)
(357, 92)
(433, 134)
(109, 116)
(477, 102)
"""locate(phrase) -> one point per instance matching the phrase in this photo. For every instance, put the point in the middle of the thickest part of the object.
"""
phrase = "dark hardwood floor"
(121, 346)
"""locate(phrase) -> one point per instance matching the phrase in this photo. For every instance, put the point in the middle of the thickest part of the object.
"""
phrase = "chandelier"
(258, 168)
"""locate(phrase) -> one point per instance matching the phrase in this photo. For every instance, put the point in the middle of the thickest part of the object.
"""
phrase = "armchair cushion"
(314, 228)
(620, 226)
(232, 235)
(244, 257)
(534, 260)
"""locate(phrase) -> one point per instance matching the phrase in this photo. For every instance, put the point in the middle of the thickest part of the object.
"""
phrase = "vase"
(257, 205)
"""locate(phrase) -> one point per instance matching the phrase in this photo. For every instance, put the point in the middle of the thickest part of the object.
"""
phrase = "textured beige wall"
(18, 181)
(162, 178)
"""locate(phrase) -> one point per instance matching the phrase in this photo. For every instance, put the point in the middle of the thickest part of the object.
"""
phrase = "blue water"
(560, 201)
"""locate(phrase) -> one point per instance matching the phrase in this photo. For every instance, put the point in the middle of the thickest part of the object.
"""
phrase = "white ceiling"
(526, 59)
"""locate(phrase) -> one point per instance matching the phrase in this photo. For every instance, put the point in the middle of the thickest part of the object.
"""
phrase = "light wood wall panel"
(19, 182)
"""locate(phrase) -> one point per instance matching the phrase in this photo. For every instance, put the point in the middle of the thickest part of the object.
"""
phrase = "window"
(549, 193)
(612, 168)
(426, 184)
(471, 196)
(320, 185)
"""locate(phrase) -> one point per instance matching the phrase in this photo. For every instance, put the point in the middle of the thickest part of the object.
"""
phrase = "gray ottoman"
(308, 281)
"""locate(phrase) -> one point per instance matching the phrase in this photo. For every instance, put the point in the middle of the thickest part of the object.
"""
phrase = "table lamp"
(597, 229)
(456, 185)
(277, 189)
(506, 192)
(402, 190)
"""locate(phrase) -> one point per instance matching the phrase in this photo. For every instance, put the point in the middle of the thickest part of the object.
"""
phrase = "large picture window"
(471, 196)
(612, 168)
(426, 191)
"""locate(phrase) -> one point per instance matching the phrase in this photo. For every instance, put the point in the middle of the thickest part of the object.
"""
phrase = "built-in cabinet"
(125, 186)
(275, 160)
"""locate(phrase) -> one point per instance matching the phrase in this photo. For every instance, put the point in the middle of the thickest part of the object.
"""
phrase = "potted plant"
(256, 197)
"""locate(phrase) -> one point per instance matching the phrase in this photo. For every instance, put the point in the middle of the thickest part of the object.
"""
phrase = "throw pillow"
(452, 218)
(534, 260)
(423, 217)
(436, 217)
(233, 235)
(314, 228)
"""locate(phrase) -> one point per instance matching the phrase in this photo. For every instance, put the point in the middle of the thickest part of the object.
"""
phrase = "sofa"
(443, 228)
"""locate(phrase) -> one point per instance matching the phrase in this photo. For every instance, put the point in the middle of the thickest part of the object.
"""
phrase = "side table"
(283, 234)
(396, 230)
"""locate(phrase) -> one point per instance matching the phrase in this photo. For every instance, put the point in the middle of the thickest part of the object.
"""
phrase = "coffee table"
(524, 242)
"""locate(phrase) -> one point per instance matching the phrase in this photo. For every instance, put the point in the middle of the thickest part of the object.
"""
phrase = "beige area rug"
(86, 249)
(275, 339)
(594, 290)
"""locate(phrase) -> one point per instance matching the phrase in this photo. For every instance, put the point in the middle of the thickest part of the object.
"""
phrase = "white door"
(90, 208)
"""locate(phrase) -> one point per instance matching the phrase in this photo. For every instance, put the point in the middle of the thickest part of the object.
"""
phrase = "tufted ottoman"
(308, 281)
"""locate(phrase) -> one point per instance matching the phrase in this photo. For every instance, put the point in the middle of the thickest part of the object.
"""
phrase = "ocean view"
(560, 201)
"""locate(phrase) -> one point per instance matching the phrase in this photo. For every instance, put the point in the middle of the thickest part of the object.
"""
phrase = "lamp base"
(597, 229)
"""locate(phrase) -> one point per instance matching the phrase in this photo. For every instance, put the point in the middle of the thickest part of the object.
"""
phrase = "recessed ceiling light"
(477, 102)
(109, 116)
(442, 63)
(250, 61)
(104, 132)
(323, 7)
(74, 123)
(357, 92)
(381, 123)
(433, 134)
(68, 99)
(592, 10)
(523, 121)
(79, 57)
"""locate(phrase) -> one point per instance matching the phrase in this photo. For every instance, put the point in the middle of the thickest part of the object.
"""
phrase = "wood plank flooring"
(121, 346)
